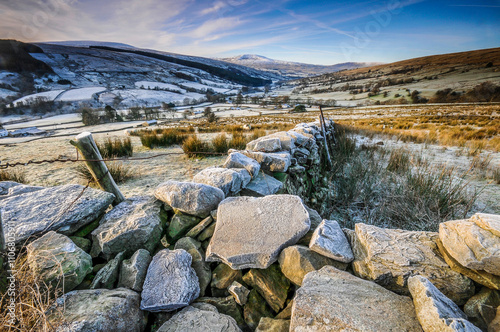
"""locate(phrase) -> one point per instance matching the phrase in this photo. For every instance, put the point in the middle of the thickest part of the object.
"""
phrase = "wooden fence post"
(323, 129)
(87, 147)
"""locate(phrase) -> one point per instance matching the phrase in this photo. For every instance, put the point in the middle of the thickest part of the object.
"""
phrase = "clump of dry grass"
(31, 300)
(112, 148)
(220, 144)
(194, 144)
(117, 169)
(165, 138)
(15, 175)
(238, 142)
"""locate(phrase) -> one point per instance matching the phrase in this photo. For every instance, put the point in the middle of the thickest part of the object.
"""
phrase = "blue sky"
(321, 32)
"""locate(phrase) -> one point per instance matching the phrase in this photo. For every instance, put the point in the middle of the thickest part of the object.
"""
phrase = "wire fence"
(66, 160)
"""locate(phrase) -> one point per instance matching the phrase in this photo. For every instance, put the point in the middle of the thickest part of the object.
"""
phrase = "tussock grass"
(220, 143)
(117, 169)
(112, 148)
(238, 142)
(15, 175)
(396, 190)
(194, 144)
(165, 138)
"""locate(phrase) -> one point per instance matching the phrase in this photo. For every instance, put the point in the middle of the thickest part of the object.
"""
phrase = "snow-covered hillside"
(100, 74)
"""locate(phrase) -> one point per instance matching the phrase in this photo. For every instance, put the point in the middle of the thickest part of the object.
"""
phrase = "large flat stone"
(470, 245)
(131, 225)
(436, 312)
(61, 209)
(390, 256)
(334, 300)
(192, 198)
(200, 318)
(98, 310)
(251, 232)
(171, 283)
(56, 259)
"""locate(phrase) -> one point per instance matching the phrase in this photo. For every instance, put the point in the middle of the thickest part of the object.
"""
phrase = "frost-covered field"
(159, 85)
(49, 95)
(80, 94)
(139, 97)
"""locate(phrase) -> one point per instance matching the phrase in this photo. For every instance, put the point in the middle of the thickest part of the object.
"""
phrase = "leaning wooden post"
(87, 147)
(323, 129)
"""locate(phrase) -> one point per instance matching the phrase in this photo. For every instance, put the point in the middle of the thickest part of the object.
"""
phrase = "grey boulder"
(56, 259)
(334, 300)
(133, 270)
(390, 256)
(64, 209)
(200, 317)
(436, 312)
(98, 310)
(201, 268)
(226, 179)
(262, 185)
(133, 224)
(239, 160)
(171, 283)
(329, 240)
(108, 275)
(251, 232)
(192, 198)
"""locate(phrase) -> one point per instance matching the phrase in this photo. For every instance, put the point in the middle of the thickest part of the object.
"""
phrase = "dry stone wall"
(243, 247)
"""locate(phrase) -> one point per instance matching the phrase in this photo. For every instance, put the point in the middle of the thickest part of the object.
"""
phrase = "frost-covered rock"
(131, 225)
(262, 185)
(171, 283)
(200, 317)
(334, 300)
(226, 179)
(108, 275)
(192, 198)
(390, 256)
(272, 162)
(436, 312)
(329, 240)
(133, 270)
(265, 144)
(56, 259)
(98, 310)
(251, 232)
(61, 209)
(239, 160)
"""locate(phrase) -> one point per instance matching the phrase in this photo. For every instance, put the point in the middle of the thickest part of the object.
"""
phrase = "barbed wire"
(66, 160)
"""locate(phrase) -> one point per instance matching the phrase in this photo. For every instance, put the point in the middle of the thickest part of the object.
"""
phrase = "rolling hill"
(291, 70)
